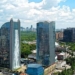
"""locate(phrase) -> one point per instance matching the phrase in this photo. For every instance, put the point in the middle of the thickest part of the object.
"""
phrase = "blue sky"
(70, 3)
(32, 11)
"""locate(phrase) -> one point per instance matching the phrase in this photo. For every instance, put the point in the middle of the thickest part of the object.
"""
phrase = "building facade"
(46, 43)
(69, 35)
(10, 45)
(59, 35)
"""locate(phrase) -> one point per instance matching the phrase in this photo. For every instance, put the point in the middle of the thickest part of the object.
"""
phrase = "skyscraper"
(10, 45)
(46, 43)
(69, 35)
(31, 28)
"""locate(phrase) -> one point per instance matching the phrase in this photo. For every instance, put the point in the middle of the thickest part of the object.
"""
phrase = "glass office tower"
(46, 43)
(69, 35)
(10, 45)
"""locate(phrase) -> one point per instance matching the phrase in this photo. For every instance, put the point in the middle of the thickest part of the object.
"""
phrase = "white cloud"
(3, 1)
(49, 3)
(1, 11)
(30, 13)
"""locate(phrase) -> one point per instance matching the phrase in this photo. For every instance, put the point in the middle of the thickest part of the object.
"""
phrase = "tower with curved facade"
(10, 45)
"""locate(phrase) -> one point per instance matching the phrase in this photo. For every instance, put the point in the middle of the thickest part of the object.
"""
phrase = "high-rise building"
(46, 43)
(69, 35)
(31, 28)
(10, 45)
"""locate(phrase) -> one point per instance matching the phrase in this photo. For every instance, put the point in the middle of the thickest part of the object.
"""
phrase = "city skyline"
(32, 11)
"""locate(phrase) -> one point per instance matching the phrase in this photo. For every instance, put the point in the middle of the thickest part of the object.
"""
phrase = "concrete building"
(46, 43)
(69, 35)
(10, 45)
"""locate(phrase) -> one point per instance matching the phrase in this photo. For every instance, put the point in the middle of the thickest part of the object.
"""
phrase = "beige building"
(59, 35)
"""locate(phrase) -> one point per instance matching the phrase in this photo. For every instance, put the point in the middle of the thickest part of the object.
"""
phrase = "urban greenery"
(70, 44)
(26, 49)
(28, 35)
(71, 62)
(66, 72)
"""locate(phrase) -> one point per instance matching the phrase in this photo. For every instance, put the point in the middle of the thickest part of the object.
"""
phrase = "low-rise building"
(61, 56)
(35, 69)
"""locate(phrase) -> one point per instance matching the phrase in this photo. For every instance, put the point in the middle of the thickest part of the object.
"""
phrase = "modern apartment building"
(10, 45)
(46, 43)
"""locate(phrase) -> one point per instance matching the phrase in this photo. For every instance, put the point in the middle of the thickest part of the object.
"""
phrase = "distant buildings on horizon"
(67, 35)
(31, 28)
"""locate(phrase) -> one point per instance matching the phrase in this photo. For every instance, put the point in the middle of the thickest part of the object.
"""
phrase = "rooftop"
(62, 53)
(33, 65)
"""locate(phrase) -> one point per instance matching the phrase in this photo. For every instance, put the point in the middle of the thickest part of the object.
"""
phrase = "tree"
(26, 49)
